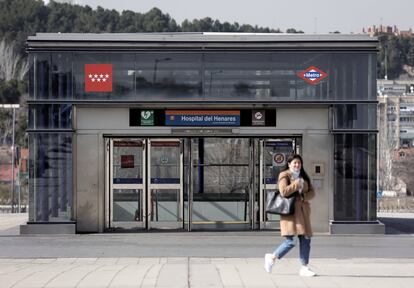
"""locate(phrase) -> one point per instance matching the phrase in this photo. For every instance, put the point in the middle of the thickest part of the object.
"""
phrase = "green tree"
(294, 31)
(10, 91)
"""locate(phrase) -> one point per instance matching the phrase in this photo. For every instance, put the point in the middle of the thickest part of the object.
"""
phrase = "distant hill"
(20, 18)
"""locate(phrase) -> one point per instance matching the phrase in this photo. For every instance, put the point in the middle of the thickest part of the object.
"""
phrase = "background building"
(396, 139)
(396, 105)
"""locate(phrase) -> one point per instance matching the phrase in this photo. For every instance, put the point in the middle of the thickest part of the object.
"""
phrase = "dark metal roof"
(197, 41)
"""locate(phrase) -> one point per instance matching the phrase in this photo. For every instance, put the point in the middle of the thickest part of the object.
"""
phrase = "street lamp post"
(14, 107)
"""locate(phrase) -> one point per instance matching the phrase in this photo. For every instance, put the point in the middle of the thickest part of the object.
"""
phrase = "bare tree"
(5, 127)
(404, 168)
(388, 144)
(12, 65)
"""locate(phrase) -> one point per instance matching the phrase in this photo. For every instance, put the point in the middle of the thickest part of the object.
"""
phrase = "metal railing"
(396, 204)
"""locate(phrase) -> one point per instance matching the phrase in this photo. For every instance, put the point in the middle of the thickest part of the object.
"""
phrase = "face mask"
(295, 174)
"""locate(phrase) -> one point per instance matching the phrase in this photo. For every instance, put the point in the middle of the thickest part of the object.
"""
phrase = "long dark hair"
(302, 173)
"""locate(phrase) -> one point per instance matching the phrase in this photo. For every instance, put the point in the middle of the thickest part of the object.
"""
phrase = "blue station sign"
(202, 118)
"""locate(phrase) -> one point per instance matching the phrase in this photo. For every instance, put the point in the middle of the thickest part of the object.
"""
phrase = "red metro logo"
(312, 75)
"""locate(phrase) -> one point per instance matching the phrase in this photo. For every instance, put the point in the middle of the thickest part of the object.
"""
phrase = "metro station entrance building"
(189, 131)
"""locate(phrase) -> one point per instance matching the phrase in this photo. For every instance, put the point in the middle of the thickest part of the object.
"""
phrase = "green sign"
(147, 118)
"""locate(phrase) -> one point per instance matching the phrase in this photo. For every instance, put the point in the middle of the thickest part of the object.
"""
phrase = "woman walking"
(292, 179)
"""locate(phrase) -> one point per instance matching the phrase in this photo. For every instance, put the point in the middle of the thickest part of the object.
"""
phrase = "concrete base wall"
(61, 228)
(357, 228)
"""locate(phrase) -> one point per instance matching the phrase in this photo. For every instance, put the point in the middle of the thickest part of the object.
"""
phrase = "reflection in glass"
(50, 184)
(127, 162)
(353, 116)
(272, 167)
(168, 76)
(50, 116)
(237, 76)
(221, 179)
(165, 205)
(123, 74)
(165, 162)
(127, 205)
(62, 76)
(267, 76)
(355, 177)
(41, 78)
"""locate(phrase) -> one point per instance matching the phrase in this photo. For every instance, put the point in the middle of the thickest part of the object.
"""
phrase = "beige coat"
(298, 223)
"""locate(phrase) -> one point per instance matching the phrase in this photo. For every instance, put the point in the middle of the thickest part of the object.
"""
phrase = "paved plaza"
(202, 272)
(197, 259)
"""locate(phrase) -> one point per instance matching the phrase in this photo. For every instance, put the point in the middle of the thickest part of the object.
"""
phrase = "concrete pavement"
(9, 223)
(198, 259)
(202, 272)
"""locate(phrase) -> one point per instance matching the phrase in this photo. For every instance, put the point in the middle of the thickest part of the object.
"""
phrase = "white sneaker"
(306, 272)
(268, 262)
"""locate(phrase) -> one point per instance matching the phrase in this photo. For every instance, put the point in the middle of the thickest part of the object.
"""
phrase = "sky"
(310, 16)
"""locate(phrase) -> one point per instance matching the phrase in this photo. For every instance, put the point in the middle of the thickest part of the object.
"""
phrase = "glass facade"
(214, 76)
(50, 138)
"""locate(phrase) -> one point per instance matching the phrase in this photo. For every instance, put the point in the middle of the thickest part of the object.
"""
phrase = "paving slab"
(177, 272)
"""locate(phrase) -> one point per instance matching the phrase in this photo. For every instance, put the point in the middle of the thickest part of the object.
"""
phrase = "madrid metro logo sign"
(312, 75)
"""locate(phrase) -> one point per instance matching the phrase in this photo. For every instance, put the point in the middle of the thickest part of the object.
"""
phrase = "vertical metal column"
(148, 186)
(190, 184)
(13, 154)
(111, 188)
(261, 183)
(144, 192)
(252, 189)
(108, 184)
(181, 208)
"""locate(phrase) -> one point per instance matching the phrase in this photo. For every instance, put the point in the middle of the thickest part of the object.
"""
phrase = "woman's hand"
(300, 183)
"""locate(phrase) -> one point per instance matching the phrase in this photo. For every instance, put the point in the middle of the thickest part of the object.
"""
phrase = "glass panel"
(53, 116)
(31, 60)
(355, 177)
(221, 179)
(168, 76)
(127, 205)
(165, 162)
(41, 75)
(355, 116)
(237, 76)
(351, 77)
(287, 85)
(62, 75)
(123, 70)
(224, 151)
(275, 155)
(127, 162)
(50, 185)
(165, 205)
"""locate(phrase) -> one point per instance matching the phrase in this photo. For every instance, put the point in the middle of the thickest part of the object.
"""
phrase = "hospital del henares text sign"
(202, 118)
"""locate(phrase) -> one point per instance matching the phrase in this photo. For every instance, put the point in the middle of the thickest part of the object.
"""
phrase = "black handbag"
(277, 204)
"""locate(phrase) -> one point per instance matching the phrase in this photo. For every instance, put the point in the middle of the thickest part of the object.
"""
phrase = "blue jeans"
(289, 243)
